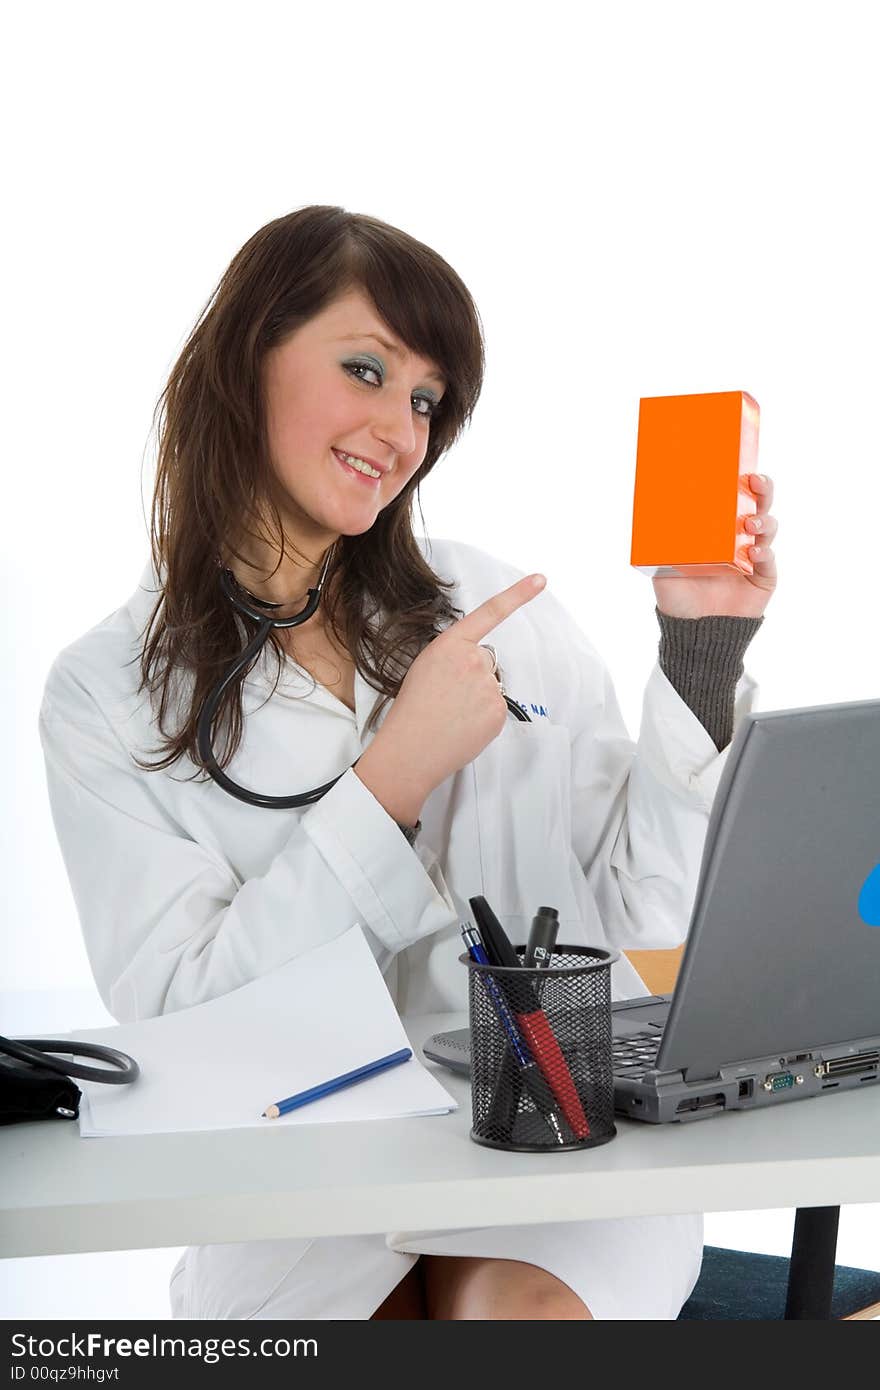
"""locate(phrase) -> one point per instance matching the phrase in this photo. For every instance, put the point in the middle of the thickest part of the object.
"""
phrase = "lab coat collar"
(144, 598)
(293, 680)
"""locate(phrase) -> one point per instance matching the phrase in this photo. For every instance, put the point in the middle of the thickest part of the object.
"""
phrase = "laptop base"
(663, 1097)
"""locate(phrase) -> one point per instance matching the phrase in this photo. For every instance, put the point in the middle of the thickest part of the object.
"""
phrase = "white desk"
(62, 1194)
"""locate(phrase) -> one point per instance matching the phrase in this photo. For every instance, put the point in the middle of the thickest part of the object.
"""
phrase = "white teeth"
(360, 466)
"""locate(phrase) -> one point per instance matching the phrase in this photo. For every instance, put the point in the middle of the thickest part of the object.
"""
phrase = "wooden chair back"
(658, 969)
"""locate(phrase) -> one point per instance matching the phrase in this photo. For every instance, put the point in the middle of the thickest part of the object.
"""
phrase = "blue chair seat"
(742, 1286)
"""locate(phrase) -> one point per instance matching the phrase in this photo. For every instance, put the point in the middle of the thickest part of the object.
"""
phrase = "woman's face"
(332, 389)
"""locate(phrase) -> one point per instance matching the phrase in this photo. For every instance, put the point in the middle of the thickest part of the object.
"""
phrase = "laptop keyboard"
(636, 1054)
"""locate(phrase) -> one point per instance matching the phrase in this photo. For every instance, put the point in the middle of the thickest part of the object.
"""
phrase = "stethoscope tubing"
(235, 593)
(121, 1068)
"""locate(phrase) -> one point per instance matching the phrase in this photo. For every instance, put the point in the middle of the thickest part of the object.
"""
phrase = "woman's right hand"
(448, 708)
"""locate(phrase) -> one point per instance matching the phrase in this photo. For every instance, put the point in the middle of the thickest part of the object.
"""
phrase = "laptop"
(778, 994)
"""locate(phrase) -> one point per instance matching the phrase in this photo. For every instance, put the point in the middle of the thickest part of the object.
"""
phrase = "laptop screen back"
(786, 960)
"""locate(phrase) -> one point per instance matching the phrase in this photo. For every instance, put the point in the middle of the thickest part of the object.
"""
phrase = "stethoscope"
(35, 1050)
(249, 606)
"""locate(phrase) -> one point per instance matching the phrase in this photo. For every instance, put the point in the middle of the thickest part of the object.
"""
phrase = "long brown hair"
(214, 478)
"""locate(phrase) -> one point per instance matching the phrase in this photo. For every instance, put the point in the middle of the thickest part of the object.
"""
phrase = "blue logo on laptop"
(869, 899)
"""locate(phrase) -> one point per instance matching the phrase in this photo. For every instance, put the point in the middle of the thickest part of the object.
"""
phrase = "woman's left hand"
(730, 592)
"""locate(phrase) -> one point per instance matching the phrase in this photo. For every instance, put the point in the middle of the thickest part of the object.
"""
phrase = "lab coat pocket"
(523, 791)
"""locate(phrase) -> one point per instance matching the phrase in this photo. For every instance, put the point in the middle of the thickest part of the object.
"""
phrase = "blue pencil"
(326, 1088)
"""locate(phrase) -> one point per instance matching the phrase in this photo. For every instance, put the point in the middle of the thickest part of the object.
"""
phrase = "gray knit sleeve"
(702, 658)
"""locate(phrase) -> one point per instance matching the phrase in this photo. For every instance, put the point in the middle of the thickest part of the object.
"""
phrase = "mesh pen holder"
(570, 1105)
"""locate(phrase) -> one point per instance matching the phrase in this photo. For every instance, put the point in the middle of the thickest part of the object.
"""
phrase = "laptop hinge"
(692, 1075)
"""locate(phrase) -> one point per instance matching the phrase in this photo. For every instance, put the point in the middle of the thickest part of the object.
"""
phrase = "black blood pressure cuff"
(35, 1093)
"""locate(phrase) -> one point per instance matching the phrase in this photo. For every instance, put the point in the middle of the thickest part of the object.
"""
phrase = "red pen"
(531, 1019)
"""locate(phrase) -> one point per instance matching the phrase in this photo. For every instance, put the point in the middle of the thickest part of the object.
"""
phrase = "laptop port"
(780, 1082)
(847, 1066)
(746, 1088)
(707, 1102)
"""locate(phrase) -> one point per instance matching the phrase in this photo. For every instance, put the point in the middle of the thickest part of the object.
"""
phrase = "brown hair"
(214, 476)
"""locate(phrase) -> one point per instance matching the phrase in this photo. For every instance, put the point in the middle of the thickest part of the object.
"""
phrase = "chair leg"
(811, 1271)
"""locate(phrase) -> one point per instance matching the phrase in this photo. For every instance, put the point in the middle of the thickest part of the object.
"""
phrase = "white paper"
(220, 1064)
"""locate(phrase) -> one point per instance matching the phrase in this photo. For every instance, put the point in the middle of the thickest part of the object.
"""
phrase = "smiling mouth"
(355, 472)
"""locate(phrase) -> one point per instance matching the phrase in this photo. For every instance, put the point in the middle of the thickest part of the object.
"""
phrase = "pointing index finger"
(478, 624)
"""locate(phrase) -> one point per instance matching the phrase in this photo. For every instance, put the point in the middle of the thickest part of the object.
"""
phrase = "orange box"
(692, 493)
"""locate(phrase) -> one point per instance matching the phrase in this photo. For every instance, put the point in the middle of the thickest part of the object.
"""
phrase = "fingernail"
(538, 581)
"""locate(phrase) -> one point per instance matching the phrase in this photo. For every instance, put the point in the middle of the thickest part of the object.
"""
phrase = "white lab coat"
(185, 893)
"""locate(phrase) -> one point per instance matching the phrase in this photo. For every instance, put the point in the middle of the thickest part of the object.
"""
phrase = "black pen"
(542, 938)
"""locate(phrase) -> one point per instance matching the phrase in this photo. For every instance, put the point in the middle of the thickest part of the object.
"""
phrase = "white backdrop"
(643, 199)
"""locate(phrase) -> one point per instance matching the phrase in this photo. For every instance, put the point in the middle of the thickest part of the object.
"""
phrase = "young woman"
(338, 360)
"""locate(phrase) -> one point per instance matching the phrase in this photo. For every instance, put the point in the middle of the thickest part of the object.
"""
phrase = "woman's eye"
(353, 367)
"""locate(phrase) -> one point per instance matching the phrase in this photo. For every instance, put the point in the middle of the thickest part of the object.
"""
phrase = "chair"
(740, 1285)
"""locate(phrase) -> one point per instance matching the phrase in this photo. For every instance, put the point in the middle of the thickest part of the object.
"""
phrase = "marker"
(542, 938)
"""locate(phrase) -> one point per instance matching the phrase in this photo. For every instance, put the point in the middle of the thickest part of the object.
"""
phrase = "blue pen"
(531, 1076)
(326, 1088)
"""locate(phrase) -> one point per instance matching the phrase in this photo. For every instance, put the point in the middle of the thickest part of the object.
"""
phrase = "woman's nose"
(393, 422)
